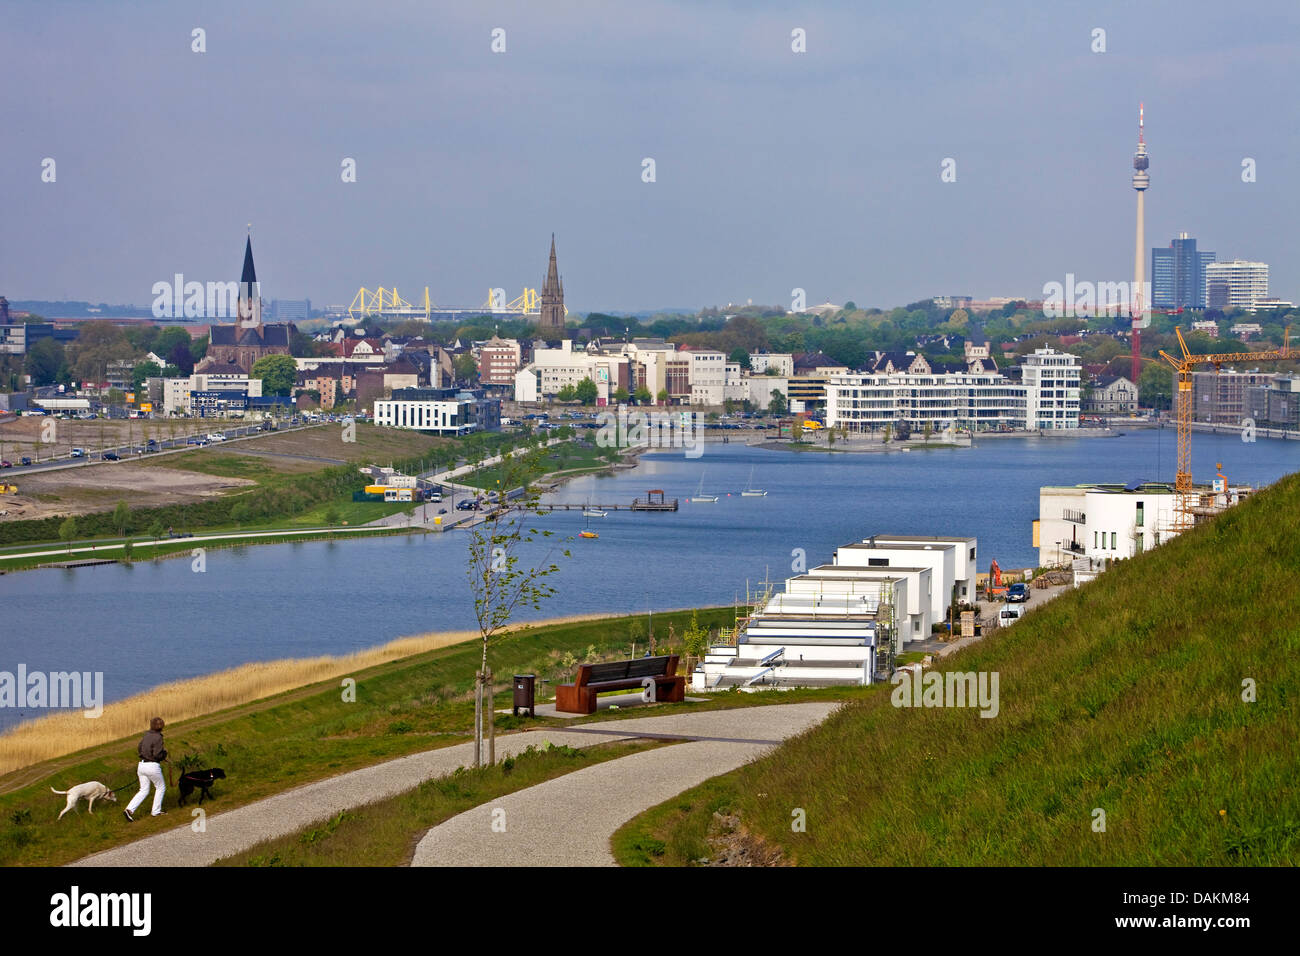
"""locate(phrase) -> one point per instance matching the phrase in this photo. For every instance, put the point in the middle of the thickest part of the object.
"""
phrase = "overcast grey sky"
(774, 169)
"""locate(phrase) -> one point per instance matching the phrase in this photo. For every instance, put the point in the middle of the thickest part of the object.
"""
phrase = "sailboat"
(750, 491)
(590, 512)
(701, 496)
(586, 532)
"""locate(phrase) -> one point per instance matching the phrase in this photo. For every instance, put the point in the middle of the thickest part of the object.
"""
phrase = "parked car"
(110, 456)
(1018, 593)
(1010, 614)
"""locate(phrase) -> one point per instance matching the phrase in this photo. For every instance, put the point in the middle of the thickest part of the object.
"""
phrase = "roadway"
(135, 451)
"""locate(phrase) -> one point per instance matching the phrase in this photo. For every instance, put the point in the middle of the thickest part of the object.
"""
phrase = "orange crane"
(1183, 407)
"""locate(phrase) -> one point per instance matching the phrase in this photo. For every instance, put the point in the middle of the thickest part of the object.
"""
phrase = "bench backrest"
(626, 670)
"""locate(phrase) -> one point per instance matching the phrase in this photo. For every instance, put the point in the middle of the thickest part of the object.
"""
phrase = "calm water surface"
(157, 620)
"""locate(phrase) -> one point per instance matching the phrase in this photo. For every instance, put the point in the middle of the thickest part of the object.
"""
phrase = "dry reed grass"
(69, 731)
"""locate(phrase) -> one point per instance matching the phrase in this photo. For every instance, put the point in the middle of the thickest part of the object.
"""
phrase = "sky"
(774, 170)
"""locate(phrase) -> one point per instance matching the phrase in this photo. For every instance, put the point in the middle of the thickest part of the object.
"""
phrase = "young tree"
(501, 578)
(662, 397)
(620, 395)
(68, 531)
(121, 517)
(567, 394)
(777, 406)
(587, 392)
(642, 395)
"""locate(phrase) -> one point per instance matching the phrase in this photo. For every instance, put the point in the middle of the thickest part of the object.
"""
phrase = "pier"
(653, 501)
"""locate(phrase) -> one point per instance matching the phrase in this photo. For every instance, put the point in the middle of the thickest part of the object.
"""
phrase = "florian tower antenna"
(1140, 316)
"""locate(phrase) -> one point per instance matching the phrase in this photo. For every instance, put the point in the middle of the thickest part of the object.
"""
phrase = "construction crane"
(1183, 407)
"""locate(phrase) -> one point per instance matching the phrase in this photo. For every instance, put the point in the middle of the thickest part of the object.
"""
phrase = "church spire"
(552, 298)
(250, 274)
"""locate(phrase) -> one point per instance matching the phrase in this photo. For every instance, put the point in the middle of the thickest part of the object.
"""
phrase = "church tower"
(250, 298)
(552, 300)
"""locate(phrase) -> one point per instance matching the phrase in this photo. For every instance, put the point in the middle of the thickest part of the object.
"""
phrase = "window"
(1113, 536)
(1141, 515)
(877, 562)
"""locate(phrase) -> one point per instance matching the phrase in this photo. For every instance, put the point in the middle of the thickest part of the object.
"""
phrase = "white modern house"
(828, 626)
(1093, 524)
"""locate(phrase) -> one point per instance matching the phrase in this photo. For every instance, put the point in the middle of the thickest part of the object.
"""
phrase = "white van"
(1010, 614)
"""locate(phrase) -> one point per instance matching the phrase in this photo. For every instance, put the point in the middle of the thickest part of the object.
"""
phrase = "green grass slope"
(1125, 696)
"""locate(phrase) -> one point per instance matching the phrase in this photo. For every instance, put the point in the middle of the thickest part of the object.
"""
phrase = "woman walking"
(152, 753)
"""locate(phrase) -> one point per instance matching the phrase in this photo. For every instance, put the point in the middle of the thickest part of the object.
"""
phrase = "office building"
(1237, 284)
(1178, 275)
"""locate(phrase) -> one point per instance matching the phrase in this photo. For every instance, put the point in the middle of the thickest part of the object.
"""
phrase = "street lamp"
(1058, 552)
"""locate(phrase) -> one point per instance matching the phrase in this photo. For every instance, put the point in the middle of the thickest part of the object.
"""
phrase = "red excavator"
(995, 589)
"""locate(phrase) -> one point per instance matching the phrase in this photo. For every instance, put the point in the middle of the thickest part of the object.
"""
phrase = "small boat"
(590, 512)
(750, 491)
(586, 532)
(701, 496)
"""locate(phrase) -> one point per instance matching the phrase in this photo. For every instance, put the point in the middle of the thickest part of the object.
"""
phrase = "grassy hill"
(1125, 696)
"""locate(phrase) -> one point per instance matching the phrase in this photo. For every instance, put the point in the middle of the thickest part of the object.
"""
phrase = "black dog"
(201, 780)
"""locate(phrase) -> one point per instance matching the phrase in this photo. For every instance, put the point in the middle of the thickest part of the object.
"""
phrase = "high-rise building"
(291, 310)
(1237, 284)
(552, 301)
(1178, 275)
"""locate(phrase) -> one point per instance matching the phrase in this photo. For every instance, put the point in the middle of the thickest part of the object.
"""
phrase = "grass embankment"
(571, 458)
(269, 739)
(1125, 696)
(385, 833)
(147, 549)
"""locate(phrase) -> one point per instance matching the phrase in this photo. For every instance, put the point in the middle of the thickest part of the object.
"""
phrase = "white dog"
(92, 791)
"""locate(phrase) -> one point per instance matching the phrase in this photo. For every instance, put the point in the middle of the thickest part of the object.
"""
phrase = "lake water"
(158, 620)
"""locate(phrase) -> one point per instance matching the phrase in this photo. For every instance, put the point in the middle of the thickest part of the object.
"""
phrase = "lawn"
(1147, 718)
(265, 747)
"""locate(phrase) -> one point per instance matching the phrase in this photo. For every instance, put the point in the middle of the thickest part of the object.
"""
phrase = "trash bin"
(525, 693)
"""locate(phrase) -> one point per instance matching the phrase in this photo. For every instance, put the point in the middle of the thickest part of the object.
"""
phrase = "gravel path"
(234, 831)
(568, 821)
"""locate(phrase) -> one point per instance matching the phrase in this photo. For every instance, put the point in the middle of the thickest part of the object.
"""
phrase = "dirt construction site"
(168, 478)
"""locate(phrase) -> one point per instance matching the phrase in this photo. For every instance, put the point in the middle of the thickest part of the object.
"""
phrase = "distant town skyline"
(878, 157)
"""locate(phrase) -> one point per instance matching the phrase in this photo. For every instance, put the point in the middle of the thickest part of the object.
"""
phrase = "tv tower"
(1141, 319)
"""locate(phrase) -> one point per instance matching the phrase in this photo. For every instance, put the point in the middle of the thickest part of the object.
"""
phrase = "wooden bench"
(580, 696)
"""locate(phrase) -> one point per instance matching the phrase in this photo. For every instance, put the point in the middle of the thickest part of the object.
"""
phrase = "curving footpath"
(569, 821)
(722, 741)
